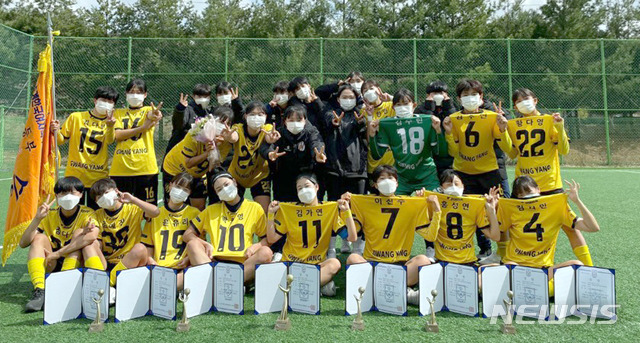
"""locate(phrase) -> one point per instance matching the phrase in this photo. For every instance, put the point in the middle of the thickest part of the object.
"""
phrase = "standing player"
(89, 134)
(230, 225)
(389, 223)
(187, 111)
(60, 239)
(309, 226)
(134, 167)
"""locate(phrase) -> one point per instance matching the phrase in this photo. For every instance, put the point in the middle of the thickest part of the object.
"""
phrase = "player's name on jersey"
(86, 166)
(313, 259)
(94, 123)
(390, 253)
(450, 248)
(533, 205)
(535, 170)
(411, 166)
(132, 151)
(473, 158)
(389, 201)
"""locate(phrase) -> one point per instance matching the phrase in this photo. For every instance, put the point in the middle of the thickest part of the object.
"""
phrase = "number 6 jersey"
(533, 226)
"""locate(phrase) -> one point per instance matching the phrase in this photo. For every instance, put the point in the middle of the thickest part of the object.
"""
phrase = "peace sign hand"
(43, 210)
(320, 156)
(274, 155)
(359, 117)
(227, 132)
(234, 93)
(124, 197)
(156, 115)
(337, 120)
(184, 99)
(271, 136)
(312, 97)
(274, 102)
(111, 120)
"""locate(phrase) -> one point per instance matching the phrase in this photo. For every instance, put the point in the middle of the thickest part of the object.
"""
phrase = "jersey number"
(117, 241)
(245, 160)
(84, 132)
(176, 243)
(392, 219)
(454, 224)
(305, 232)
(125, 123)
(471, 138)
(232, 237)
(538, 134)
(531, 226)
(416, 140)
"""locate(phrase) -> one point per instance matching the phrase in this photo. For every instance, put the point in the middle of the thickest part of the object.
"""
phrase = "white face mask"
(453, 190)
(532, 195)
(103, 107)
(438, 98)
(470, 102)
(224, 99)
(357, 86)
(526, 106)
(295, 127)
(107, 200)
(404, 111)
(387, 186)
(282, 99)
(371, 95)
(204, 102)
(307, 195)
(347, 104)
(228, 193)
(178, 195)
(135, 100)
(256, 122)
(303, 93)
(68, 202)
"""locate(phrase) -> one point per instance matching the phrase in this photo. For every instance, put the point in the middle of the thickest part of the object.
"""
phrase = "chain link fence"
(593, 83)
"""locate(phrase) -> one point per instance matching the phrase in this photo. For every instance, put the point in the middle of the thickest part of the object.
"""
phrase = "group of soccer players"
(346, 159)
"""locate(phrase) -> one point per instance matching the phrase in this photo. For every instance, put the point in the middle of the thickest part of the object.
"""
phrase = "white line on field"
(606, 170)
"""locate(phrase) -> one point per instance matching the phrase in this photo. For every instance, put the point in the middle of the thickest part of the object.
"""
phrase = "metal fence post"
(605, 102)
(226, 59)
(321, 60)
(30, 70)
(2, 137)
(510, 74)
(415, 68)
(129, 61)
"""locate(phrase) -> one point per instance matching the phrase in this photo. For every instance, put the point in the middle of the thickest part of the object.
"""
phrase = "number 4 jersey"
(533, 226)
(389, 225)
(164, 234)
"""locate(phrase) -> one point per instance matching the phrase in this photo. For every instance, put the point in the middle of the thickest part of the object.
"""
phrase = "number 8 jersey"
(231, 232)
(533, 226)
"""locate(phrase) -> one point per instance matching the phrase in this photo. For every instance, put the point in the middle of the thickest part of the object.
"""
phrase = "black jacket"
(238, 110)
(345, 145)
(274, 115)
(446, 109)
(329, 94)
(182, 119)
(315, 111)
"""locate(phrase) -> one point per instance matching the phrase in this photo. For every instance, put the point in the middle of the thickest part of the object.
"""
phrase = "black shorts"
(58, 266)
(87, 200)
(262, 188)
(198, 187)
(552, 192)
(480, 183)
(143, 187)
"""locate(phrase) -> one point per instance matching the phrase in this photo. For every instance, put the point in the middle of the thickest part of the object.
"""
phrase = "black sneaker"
(37, 302)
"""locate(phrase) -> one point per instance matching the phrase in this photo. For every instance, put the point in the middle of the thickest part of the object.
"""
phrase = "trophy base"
(358, 325)
(183, 327)
(431, 328)
(96, 327)
(508, 329)
(283, 325)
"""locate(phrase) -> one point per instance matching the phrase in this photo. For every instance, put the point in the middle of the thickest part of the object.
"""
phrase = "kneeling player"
(298, 222)
(389, 223)
(230, 224)
(532, 224)
(57, 240)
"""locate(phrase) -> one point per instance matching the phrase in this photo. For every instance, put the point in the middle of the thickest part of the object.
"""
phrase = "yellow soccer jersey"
(119, 231)
(174, 161)
(533, 226)
(385, 110)
(461, 217)
(308, 230)
(88, 137)
(164, 234)
(60, 231)
(389, 225)
(537, 144)
(247, 166)
(136, 155)
(471, 142)
(231, 233)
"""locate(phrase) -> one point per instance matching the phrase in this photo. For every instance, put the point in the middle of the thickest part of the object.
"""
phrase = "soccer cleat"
(346, 247)
(37, 301)
(331, 253)
(277, 256)
(112, 296)
(431, 254)
(491, 259)
(483, 254)
(413, 296)
(329, 290)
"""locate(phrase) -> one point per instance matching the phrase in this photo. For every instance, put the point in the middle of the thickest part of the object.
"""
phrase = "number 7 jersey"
(389, 225)
(533, 226)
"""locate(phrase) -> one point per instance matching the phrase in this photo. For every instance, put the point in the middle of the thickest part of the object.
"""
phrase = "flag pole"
(53, 92)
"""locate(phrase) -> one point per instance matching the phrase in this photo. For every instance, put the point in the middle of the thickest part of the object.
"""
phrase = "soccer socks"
(114, 272)
(582, 253)
(35, 266)
(551, 291)
(502, 248)
(70, 263)
(94, 263)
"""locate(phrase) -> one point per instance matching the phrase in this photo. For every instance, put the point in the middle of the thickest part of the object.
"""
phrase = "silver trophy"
(283, 323)
(183, 325)
(431, 325)
(358, 322)
(97, 325)
(507, 326)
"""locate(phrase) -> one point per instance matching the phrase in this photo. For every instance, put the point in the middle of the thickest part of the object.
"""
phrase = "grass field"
(609, 193)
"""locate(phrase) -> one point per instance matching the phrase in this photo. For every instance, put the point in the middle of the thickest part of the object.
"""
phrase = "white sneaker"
(112, 296)
(431, 254)
(329, 290)
(413, 296)
(276, 257)
(346, 247)
(491, 259)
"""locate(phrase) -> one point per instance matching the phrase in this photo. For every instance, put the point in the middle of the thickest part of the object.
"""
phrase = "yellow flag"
(34, 171)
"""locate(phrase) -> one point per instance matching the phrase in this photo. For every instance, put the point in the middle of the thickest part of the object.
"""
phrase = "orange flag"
(34, 174)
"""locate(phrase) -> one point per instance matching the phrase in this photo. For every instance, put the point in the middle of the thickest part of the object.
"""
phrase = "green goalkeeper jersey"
(413, 142)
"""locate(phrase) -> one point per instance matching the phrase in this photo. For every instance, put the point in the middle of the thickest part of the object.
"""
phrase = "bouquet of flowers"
(205, 130)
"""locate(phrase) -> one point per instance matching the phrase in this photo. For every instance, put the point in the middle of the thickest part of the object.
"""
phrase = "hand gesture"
(492, 198)
(432, 200)
(156, 115)
(359, 117)
(502, 123)
(435, 124)
(125, 197)
(43, 210)
(274, 102)
(210, 146)
(557, 119)
(234, 93)
(447, 124)
(498, 108)
(50, 258)
(384, 97)
(572, 192)
(111, 120)
(55, 126)
(90, 226)
(274, 206)
(271, 136)
(346, 196)
(227, 132)
(184, 99)
(343, 205)
(373, 128)
(337, 120)
(320, 156)
(274, 155)
(311, 97)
